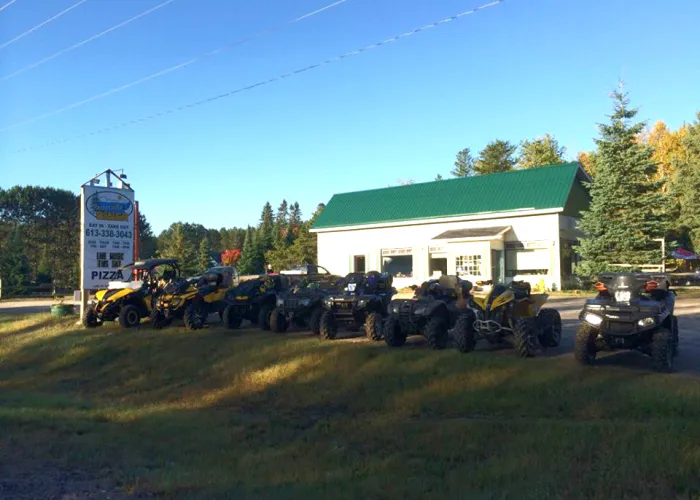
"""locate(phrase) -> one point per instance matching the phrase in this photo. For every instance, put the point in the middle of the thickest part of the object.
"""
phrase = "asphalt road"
(687, 310)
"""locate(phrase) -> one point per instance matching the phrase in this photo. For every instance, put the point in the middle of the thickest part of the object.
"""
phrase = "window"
(527, 262)
(358, 263)
(469, 265)
(400, 266)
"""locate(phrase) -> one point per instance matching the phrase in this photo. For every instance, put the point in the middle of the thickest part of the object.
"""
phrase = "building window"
(527, 263)
(358, 264)
(469, 265)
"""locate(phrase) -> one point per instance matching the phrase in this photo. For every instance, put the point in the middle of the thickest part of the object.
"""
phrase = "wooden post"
(137, 240)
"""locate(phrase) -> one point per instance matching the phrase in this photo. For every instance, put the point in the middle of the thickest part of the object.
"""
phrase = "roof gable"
(533, 189)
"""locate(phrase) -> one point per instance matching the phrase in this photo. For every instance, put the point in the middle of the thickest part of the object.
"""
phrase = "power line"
(64, 11)
(152, 76)
(87, 40)
(7, 5)
(264, 82)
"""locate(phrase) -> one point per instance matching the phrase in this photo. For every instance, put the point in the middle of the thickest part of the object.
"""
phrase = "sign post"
(107, 230)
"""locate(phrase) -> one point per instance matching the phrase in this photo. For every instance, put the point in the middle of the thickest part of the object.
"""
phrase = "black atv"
(437, 306)
(363, 300)
(253, 300)
(302, 306)
(631, 311)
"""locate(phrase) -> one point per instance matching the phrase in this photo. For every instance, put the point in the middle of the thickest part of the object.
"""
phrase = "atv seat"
(209, 282)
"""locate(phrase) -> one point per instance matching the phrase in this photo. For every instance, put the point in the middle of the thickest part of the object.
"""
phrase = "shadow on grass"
(256, 414)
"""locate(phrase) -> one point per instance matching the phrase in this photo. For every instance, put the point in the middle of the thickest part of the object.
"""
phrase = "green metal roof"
(536, 188)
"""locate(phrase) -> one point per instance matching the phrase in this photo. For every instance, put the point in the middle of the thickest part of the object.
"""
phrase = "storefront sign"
(388, 252)
(107, 234)
(437, 250)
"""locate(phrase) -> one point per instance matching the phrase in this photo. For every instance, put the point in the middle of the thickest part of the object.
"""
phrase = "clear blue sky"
(515, 71)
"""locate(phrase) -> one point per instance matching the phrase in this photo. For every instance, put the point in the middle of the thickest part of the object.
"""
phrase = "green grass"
(256, 415)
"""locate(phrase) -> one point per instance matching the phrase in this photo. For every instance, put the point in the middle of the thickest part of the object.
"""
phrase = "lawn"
(252, 414)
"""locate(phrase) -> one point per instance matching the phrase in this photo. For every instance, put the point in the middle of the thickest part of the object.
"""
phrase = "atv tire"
(315, 320)
(194, 317)
(436, 333)
(89, 319)
(158, 320)
(549, 326)
(129, 316)
(373, 326)
(278, 322)
(584, 345)
(662, 351)
(231, 319)
(393, 334)
(674, 332)
(465, 335)
(264, 316)
(328, 328)
(524, 337)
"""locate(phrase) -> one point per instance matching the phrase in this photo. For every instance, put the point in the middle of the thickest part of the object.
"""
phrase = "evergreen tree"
(464, 164)
(147, 240)
(497, 156)
(177, 246)
(541, 152)
(14, 265)
(266, 228)
(686, 186)
(438, 177)
(281, 221)
(627, 209)
(294, 222)
(252, 259)
(43, 274)
(204, 255)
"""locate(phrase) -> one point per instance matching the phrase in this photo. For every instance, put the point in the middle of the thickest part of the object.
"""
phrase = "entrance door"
(497, 274)
(359, 263)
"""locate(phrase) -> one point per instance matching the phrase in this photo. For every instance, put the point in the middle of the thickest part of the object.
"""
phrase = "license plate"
(623, 296)
(242, 297)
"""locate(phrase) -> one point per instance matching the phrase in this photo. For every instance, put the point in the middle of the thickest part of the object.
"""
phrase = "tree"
(204, 255)
(147, 240)
(464, 164)
(686, 185)
(266, 227)
(438, 177)
(627, 210)
(281, 222)
(497, 156)
(231, 256)
(293, 223)
(14, 265)
(177, 246)
(305, 247)
(252, 259)
(541, 152)
(43, 273)
(669, 149)
(587, 161)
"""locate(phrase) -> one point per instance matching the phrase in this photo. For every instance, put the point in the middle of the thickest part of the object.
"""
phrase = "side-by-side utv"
(631, 311)
(512, 312)
(129, 301)
(362, 300)
(437, 306)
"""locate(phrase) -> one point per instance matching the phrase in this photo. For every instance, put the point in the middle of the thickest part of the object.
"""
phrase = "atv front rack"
(489, 327)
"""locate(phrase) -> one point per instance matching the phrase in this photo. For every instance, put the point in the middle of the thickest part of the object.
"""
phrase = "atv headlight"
(362, 303)
(593, 319)
(646, 322)
(395, 308)
(280, 302)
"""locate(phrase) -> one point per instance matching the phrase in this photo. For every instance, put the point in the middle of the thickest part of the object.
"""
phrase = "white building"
(514, 225)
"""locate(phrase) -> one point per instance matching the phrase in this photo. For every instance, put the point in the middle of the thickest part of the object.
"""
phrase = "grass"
(212, 414)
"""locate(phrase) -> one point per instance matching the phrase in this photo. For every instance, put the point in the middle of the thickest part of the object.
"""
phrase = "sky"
(514, 71)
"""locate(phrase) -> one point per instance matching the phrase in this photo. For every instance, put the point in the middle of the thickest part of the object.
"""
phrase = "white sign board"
(107, 234)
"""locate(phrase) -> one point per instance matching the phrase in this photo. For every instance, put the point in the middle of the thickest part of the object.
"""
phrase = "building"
(513, 225)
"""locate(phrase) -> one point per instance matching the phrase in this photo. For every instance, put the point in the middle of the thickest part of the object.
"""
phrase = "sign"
(437, 250)
(386, 252)
(107, 234)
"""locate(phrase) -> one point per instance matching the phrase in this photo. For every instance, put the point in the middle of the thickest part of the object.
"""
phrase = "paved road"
(27, 306)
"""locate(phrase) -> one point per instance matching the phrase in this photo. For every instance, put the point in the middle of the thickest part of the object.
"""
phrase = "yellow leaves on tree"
(668, 149)
(586, 161)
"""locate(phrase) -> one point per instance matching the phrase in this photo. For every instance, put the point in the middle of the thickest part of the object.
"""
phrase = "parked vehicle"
(302, 305)
(254, 300)
(193, 302)
(437, 306)
(631, 311)
(129, 301)
(312, 272)
(514, 312)
(362, 300)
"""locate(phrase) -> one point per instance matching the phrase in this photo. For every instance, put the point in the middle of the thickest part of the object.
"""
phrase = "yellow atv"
(129, 301)
(192, 301)
(512, 311)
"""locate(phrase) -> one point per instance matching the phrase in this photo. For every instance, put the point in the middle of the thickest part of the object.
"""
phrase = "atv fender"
(438, 308)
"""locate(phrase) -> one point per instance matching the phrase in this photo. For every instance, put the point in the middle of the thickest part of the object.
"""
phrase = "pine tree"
(497, 156)
(627, 209)
(294, 222)
(464, 164)
(43, 274)
(14, 265)
(266, 228)
(686, 186)
(251, 261)
(179, 247)
(438, 177)
(204, 255)
(281, 221)
(541, 152)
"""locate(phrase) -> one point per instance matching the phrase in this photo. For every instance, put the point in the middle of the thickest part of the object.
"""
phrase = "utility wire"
(7, 5)
(201, 57)
(64, 11)
(87, 40)
(263, 82)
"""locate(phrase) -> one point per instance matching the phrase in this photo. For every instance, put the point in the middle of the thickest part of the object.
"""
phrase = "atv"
(364, 300)
(512, 311)
(192, 302)
(631, 311)
(437, 306)
(129, 301)
(302, 305)
(254, 300)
